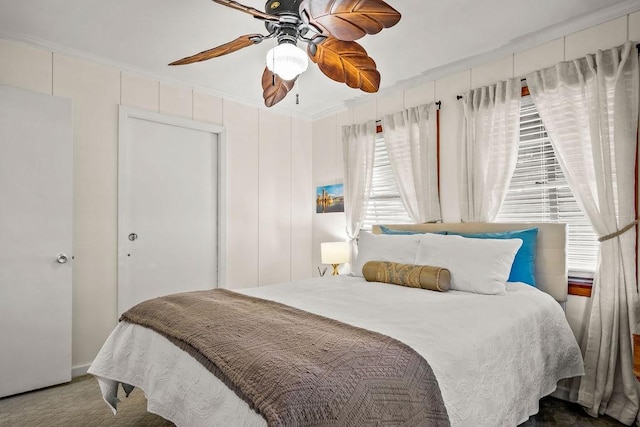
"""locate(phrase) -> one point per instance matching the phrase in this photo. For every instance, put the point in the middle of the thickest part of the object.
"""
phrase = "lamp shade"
(287, 61)
(335, 252)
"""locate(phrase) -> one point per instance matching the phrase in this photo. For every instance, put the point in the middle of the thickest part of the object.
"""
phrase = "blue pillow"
(523, 268)
(387, 230)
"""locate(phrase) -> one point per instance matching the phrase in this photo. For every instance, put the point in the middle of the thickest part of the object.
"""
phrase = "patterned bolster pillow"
(413, 276)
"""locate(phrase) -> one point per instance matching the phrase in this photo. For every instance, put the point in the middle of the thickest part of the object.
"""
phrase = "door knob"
(62, 258)
(133, 236)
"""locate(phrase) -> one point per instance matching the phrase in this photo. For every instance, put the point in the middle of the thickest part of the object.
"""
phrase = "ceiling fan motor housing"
(289, 27)
(276, 7)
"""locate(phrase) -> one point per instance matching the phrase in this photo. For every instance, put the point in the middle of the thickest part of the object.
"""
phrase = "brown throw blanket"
(296, 368)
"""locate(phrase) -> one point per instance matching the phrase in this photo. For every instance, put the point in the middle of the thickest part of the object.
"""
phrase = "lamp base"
(335, 269)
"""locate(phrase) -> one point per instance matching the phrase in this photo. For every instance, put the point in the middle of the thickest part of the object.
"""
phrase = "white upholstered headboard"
(551, 248)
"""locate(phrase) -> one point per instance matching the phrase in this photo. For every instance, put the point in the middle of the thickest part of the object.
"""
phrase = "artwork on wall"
(330, 198)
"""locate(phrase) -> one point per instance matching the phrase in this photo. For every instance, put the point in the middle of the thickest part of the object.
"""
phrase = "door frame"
(125, 115)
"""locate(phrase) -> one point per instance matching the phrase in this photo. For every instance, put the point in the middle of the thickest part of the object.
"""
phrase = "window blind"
(539, 192)
(385, 205)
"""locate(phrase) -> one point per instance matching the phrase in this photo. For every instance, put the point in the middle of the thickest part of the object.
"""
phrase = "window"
(385, 205)
(539, 192)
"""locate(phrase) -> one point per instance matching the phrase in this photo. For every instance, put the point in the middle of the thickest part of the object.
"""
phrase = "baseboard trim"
(78, 371)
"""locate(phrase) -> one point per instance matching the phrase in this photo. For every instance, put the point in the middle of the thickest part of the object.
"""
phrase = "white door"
(168, 204)
(36, 155)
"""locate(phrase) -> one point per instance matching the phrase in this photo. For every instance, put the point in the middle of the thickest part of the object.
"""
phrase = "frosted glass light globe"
(287, 61)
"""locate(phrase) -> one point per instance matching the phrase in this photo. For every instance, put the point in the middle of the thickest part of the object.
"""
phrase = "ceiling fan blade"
(274, 88)
(246, 9)
(348, 20)
(232, 46)
(346, 62)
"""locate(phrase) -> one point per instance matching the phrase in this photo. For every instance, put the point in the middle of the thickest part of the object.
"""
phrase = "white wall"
(327, 144)
(268, 171)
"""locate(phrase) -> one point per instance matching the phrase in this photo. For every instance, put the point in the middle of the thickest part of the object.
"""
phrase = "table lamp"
(335, 253)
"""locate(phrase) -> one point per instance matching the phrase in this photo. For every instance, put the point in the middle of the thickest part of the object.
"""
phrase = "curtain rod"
(459, 97)
(438, 103)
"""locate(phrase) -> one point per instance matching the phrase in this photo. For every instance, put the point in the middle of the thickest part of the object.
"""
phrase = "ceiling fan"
(329, 27)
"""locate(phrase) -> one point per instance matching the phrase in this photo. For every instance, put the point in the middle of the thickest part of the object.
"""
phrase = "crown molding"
(56, 48)
(338, 108)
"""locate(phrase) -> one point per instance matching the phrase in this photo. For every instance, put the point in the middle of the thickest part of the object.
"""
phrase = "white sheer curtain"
(358, 144)
(411, 138)
(488, 148)
(590, 109)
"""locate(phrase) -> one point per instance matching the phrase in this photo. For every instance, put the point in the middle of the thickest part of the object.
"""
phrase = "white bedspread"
(494, 356)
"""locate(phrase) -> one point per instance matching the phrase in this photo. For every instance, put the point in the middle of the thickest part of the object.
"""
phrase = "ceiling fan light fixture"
(287, 60)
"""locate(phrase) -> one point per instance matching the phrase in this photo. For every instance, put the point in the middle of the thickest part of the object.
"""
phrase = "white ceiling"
(432, 37)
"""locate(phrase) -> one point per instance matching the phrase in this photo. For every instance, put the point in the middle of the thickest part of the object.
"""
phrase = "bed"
(494, 356)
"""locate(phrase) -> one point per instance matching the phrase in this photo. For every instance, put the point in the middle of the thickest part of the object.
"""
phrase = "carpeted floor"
(79, 403)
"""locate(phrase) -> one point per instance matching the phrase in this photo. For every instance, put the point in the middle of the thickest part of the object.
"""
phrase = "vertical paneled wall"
(327, 169)
(327, 131)
(268, 196)
(95, 142)
(243, 193)
(302, 200)
(274, 172)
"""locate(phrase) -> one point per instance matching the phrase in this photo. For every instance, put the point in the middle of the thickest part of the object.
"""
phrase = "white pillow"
(385, 247)
(480, 266)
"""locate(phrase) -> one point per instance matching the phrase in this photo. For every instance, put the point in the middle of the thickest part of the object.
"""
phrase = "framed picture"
(330, 198)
